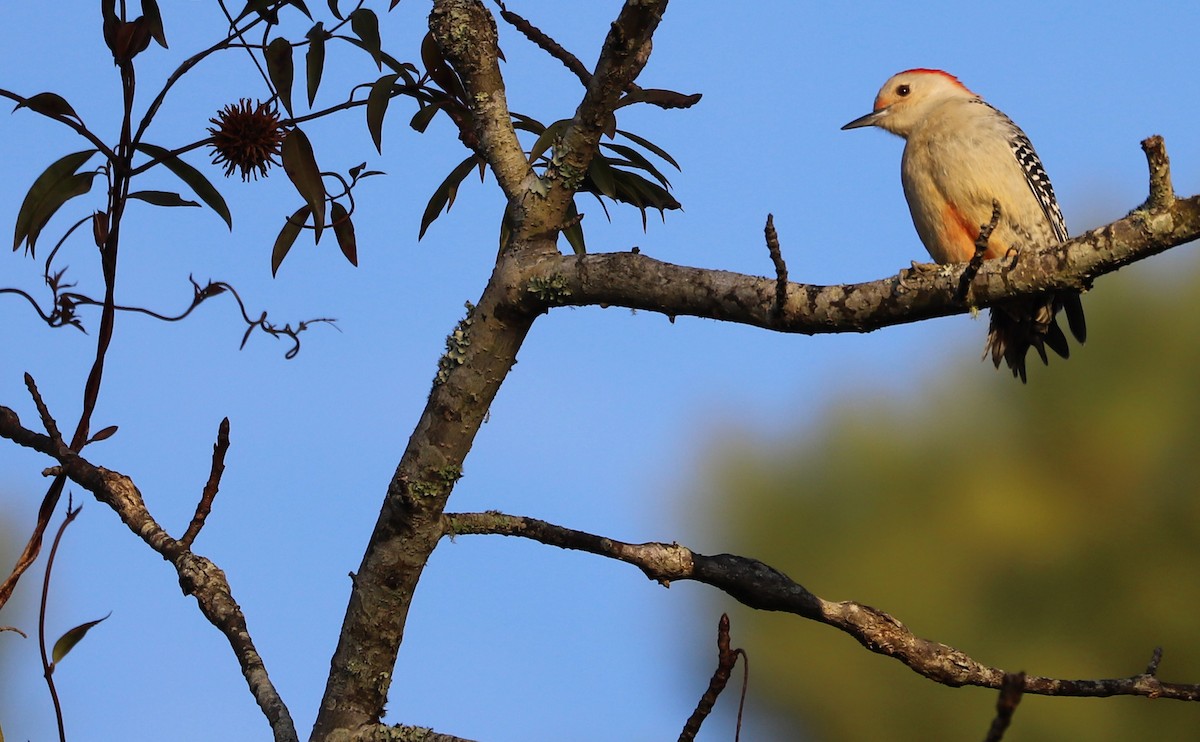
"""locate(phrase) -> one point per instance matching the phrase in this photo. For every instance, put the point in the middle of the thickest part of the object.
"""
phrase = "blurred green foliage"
(1052, 528)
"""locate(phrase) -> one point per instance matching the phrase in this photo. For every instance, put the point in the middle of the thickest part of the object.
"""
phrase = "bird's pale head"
(907, 97)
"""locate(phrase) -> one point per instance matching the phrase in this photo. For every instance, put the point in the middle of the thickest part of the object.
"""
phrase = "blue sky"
(608, 415)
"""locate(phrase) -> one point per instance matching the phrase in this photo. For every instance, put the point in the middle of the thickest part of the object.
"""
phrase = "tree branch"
(762, 587)
(639, 282)
(466, 33)
(198, 576)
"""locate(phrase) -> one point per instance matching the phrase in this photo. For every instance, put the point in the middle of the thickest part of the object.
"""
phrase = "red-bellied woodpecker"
(961, 157)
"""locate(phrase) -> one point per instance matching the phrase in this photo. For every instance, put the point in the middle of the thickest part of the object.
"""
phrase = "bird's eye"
(903, 90)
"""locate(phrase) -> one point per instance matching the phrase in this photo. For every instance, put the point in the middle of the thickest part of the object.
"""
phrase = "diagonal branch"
(198, 576)
(466, 33)
(625, 52)
(764, 588)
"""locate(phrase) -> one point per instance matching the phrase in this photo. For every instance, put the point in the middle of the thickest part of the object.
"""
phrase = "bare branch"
(198, 576)
(625, 52)
(764, 588)
(639, 282)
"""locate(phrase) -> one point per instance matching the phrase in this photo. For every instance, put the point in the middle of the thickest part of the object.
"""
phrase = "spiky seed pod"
(247, 137)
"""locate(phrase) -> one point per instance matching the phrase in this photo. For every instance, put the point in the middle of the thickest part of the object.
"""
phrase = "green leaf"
(603, 176)
(162, 198)
(301, 166)
(46, 195)
(281, 70)
(67, 641)
(315, 59)
(377, 105)
(647, 144)
(199, 184)
(527, 123)
(154, 22)
(49, 104)
(547, 138)
(343, 229)
(443, 197)
(420, 120)
(287, 236)
(574, 233)
(365, 25)
(638, 160)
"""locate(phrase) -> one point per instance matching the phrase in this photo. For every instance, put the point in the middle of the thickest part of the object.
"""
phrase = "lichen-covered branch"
(466, 33)
(762, 587)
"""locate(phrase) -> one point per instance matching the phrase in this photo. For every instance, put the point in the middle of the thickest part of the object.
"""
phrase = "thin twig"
(781, 271)
(47, 419)
(726, 659)
(981, 246)
(1010, 695)
(47, 665)
(204, 507)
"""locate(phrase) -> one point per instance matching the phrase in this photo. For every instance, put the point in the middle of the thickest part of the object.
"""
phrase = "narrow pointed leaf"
(638, 160)
(260, 7)
(527, 123)
(377, 105)
(66, 189)
(333, 8)
(393, 4)
(299, 4)
(287, 237)
(49, 104)
(154, 22)
(67, 641)
(199, 184)
(281, 70)
(420, 120)
(443, 197)
(365, 25)
(43, 191)
(162, 198)
(301, 166)
(343, 229)
(603, 176)
(547, 138)
(574, 233)
(103, 435)
(647, 144)
(315, 59)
